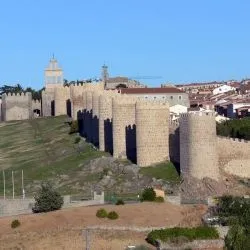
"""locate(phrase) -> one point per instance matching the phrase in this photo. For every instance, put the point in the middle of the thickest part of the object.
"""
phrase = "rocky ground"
(113, 176)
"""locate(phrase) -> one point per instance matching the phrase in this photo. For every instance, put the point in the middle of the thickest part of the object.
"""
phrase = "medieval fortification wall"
(139, 130)
(152, 133)
(198, 145)
(16, 106)
(234, 156)
(123, 110)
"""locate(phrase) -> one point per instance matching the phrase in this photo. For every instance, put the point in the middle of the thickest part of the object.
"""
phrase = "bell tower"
(53, 74)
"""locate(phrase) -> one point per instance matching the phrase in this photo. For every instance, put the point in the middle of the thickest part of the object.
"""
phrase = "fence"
(17, 206)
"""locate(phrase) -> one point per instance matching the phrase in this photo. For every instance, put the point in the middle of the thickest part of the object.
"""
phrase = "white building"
(223, 89)
(231, 108)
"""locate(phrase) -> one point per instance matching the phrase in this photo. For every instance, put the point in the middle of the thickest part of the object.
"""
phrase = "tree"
(47, 199)
(237, 238)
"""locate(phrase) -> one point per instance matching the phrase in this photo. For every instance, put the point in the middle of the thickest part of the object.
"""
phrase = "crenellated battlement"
(16, 96)
(197, 114)
(35, 101)
(230, 139)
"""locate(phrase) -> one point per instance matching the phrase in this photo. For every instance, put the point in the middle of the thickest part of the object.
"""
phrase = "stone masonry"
(152, 134)
(16, 106)
(123, 109)
(198, 145)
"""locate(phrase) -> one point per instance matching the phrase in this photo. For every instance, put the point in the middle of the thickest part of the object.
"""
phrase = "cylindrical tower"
(105, 121)
(152, 126)
(198, 145)
(123, 110)
(62, 94)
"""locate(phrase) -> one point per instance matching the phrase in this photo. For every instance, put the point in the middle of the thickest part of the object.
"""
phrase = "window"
(179, 97)
(171, 97)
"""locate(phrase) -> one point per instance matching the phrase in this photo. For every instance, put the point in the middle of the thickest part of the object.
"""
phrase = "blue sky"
(180, 40)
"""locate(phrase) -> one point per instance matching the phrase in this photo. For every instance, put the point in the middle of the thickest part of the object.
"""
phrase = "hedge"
(170, 234)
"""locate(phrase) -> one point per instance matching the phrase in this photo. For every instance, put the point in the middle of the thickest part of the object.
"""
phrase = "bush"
(112, 215)
(159, 199)
(171, 234)
(15, 223)
(119, 202)
(74, 127)
(101, 213)
(148, 194)
(77, 140)
(47, 199)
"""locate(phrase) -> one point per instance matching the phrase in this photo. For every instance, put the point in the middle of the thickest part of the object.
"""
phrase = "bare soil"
(64, 229)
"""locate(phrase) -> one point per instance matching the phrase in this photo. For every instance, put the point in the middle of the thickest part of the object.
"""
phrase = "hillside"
(44, 150)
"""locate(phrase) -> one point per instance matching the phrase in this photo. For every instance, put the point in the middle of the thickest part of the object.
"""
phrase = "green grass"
(165, 171)
(44, 150)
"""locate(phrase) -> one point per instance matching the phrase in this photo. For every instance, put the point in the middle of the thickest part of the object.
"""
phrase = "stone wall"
(95, 117)
(198, 145)
(105, 123)
(152, 133)
(174, 141)
(16, 106)
(0, 110)
(48, 100)
(124, 144)
(234, 156)
(62, 94)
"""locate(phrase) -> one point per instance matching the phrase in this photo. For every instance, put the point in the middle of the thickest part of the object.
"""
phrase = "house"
(237, 109)
(223, 89)
(171, 95)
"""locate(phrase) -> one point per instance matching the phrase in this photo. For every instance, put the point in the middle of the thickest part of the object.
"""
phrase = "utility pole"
(23, 187)
(87, 239)
(13, 186)
(3, 185)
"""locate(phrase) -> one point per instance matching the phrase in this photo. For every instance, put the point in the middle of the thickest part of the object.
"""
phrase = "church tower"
(53, 74)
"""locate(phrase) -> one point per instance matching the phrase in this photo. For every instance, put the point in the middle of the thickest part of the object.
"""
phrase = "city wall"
(198, 145)
(124, 130)
(152, 133)
(16, 106)
(234, 156)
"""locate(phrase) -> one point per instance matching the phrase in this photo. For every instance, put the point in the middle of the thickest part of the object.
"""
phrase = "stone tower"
(53, 74)
(198, 145)
(123, 112)
(16, 106)
(152, 134)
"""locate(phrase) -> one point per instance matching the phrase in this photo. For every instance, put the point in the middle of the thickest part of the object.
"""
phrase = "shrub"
(119, 202)
(47, 199)
(15, 223)
(74, 127)
(101, 213)
(170, 234)
(148, 194)
(77, 140)
(159, 199)
(112, 215)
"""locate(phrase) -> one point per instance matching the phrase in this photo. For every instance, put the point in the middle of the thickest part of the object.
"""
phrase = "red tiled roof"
(151, 90)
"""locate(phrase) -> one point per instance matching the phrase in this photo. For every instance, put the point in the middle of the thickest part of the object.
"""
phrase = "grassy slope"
(165, 171)
(43, 149)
